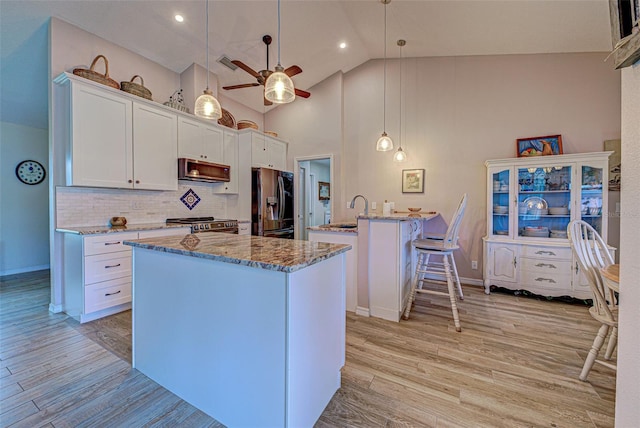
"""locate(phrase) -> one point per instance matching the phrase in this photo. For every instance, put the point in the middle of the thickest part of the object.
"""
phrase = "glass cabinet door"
(591, 196)
(500, 202)
(544, 196)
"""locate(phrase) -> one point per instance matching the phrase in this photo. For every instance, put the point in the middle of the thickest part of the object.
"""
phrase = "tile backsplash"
(83, 206)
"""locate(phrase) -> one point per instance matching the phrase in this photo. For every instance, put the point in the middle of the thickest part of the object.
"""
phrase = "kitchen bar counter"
(282, 255)
(250, 330)
(399, 216)
(97, 230)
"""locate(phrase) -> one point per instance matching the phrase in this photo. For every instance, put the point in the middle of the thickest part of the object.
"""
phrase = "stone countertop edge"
(353, 230)
(399, 216)
(97, 230)
(281, 255)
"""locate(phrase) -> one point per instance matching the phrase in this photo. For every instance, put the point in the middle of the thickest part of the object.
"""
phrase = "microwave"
(197, 170)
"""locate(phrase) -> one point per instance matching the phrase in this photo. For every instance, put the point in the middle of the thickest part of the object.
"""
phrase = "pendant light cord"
(279, 33)
(400, 133)
(384, 89)
(207, 44)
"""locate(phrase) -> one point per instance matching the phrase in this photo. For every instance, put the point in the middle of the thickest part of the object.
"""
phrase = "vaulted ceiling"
(312, 30)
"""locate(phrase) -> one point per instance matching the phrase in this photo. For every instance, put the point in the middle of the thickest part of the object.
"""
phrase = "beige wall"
(628, 379)
(457, 112)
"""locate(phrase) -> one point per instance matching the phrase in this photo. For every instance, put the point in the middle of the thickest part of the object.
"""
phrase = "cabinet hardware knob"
(551, 253)
(111, 294)
(515, 262)
(137, 181)
(129, 181)
(112, 266)
(112, 243)
(549, 280)
(576, 268)
(549, 265)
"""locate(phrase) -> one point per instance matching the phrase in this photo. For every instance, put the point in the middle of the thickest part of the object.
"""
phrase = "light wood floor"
(515, 364)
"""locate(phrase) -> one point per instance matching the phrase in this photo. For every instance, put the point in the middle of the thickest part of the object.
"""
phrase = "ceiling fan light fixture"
(279, 87)
(207, 106)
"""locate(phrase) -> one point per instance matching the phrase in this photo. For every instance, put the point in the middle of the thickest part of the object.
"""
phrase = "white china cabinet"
(113, 139)
(530, 202)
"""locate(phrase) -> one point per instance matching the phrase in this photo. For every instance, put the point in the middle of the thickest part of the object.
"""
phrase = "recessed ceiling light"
(179, 18)
(342, 45)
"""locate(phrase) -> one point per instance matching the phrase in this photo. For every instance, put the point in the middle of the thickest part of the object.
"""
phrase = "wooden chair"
(592, 254)
(428, 269)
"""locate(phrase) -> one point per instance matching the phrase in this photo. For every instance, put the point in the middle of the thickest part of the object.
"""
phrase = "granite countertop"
(282, 255)
(96, 230)
(336, 228)
(401, 215)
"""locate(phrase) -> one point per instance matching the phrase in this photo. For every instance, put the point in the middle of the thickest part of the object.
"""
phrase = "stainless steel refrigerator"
(272, 203)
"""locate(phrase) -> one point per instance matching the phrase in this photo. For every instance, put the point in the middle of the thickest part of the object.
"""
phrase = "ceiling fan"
(262, 75)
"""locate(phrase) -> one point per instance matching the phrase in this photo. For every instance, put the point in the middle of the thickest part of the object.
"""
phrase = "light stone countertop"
(401, 215)
(97, 230)
(282, 255)
(334, 228)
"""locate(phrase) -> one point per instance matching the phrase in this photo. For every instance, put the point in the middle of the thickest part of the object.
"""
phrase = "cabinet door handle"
(111, 294)
(515, 262)
(551, 253)
(112, 266)
(112, 243)
(549, 265)
(549, 280)
(576, 268)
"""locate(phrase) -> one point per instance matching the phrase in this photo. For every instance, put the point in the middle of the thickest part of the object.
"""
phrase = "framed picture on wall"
(413, 181)
(324, 191)
(539, 146)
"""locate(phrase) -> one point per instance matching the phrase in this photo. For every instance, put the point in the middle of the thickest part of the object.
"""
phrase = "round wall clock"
(30, 172)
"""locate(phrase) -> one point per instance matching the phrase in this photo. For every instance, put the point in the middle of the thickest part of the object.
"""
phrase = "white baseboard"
(56, 309)
(23, 270)
(472, 281)
(363, 312)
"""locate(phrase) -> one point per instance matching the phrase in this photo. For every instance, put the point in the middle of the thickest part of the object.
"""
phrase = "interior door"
(302, 209)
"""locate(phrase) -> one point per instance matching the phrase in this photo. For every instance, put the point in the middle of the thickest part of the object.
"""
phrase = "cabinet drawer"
(553, 267)
(109, 243)
(104, 267)
(107, 294)
(541, 251)
(540, 280)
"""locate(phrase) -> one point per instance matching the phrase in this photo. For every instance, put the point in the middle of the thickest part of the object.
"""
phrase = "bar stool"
(426, 268)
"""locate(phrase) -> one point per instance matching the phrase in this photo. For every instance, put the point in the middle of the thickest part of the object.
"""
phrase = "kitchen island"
(250, 330)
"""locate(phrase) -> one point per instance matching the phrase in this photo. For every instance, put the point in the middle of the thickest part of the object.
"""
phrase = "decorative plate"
(30, 172)
(535, 202)
(227, 119)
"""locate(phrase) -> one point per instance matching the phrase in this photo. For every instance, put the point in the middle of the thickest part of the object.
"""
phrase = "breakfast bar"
(250, 330)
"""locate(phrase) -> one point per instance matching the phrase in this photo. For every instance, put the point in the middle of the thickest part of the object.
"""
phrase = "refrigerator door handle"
(281, 199)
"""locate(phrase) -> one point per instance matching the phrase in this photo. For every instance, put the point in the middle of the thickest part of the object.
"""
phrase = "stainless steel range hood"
(197, 170)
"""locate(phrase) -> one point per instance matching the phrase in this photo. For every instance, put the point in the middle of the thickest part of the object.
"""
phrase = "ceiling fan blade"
(244, 85)
(301, 93)
(246, 68)
(293, 70)
(267, 102)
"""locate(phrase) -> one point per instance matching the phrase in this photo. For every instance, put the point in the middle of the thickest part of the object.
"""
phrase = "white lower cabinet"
(244, 228)
(351, 265)
(97, 272)
(391, 266)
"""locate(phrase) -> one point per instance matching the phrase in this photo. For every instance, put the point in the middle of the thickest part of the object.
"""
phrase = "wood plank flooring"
(515, 364)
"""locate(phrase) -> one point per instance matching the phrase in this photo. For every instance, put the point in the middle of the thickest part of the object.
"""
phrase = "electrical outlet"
(474, 264)
(137, 205)
(373, 205)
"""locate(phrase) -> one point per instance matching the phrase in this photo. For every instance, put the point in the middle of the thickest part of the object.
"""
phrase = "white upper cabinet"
(101, 138)
(268, 152)
(200, 141)
(230, 157)
(112, 140)
(155, 149)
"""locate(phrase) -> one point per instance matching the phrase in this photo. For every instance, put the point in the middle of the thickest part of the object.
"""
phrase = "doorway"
(312, 208)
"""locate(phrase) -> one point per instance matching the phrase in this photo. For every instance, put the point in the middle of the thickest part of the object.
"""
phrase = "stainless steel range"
(207, 224)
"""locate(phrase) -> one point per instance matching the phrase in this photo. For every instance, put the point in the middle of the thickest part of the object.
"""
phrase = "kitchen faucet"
(366, 203)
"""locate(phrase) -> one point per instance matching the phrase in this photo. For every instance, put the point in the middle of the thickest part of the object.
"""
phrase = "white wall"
(459, 112)
(24, 212)
(628, 378)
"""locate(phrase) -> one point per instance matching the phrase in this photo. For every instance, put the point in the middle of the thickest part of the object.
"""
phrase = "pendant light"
(400, 155)
(207, 106)
(279, 87)
(385, 143)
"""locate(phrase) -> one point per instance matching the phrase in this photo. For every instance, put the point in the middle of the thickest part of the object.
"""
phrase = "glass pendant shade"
(385, 143)
(400, 155)
(279, 87)
(207, 106)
